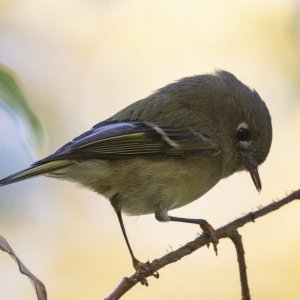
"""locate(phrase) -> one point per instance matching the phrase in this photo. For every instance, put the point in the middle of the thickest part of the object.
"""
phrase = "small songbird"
(168, 149)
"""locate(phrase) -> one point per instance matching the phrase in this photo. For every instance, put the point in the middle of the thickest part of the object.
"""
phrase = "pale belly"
(145, 185)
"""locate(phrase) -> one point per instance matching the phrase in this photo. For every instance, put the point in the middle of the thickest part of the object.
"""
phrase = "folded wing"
(113, 140)
(117, 140)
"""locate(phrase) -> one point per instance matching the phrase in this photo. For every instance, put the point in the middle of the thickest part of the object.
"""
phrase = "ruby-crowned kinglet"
(168, 149)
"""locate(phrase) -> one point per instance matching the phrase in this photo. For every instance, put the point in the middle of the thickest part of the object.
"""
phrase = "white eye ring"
(244, 144)
(242, 125)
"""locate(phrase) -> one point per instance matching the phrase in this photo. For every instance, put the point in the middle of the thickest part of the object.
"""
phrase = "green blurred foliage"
(11, 94)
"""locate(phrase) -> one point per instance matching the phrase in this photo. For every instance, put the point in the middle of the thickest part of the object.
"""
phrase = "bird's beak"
(253, 170)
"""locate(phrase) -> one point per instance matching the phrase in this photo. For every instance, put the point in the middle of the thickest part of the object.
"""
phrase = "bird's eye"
(243, 134)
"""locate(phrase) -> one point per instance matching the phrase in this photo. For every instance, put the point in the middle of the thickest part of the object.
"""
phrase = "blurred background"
(78, 62)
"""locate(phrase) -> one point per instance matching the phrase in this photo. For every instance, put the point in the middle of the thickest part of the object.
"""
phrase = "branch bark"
(238, 243)
(226, 231)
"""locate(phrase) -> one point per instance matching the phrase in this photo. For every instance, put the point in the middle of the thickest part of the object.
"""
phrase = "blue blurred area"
(15, 147)
(16, 152)
(21, 137)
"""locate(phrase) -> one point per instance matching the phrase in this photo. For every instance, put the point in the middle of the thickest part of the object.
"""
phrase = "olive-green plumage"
(168, 149)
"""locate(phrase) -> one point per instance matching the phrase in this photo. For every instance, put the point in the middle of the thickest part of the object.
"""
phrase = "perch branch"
(238, 243)
(223, 232)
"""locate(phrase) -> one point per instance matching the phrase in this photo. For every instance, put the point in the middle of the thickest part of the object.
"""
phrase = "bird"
(168, 149)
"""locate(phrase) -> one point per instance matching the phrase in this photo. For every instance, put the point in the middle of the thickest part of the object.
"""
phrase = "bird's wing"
(112, 140)
(123, 139)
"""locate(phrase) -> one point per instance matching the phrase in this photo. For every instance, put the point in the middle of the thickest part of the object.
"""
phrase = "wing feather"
(118, 140)
(121, 139)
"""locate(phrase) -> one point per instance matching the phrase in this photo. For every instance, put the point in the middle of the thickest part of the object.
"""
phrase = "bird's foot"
(209, 231)
(143, 270)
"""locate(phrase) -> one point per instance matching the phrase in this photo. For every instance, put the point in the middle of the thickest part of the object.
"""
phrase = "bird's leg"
(136, 263)
(138, 266)
(162, 216)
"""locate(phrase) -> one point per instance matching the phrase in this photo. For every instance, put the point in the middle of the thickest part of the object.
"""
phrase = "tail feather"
(34, 170)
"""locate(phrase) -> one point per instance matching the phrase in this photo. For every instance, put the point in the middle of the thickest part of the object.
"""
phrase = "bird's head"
(246, 128)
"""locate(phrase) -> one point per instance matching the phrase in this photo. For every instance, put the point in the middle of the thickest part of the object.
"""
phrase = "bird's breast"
(144, 185)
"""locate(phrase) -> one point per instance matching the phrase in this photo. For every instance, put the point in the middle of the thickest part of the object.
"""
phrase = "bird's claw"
(142, 269)
(209, 231)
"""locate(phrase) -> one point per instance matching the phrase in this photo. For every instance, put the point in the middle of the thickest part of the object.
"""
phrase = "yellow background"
(81, 61)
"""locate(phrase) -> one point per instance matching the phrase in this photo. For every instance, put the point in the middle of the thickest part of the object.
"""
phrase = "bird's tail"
(34, 170)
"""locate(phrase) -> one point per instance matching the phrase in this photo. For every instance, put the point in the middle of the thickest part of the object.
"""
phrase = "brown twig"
(238, 243)
(40, 288)
(223, 232)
